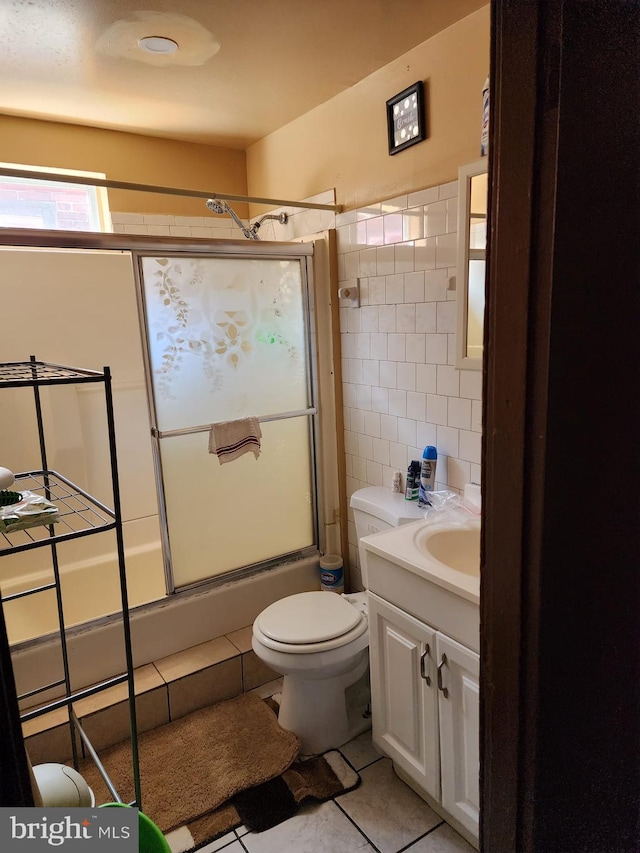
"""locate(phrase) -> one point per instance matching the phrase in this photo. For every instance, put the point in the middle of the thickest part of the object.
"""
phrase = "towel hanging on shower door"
(230, 439)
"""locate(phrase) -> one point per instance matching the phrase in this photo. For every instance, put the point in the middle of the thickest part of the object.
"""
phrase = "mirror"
(472, 240)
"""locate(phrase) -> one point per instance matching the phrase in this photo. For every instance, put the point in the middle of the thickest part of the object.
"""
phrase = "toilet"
(319, 642)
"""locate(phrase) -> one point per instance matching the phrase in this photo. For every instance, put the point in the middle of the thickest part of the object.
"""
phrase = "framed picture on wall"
(405, 118)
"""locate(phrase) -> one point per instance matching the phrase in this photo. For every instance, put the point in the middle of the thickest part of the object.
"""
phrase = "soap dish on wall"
(349, 294)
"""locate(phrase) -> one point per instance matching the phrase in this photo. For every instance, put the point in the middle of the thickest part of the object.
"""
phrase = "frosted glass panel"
(475, 308)
(478, 233)
(222, 517)
(226, 338)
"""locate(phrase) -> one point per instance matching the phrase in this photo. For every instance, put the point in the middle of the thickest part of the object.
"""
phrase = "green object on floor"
(150, 838)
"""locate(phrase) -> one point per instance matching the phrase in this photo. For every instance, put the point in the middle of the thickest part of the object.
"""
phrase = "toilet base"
(326, 713)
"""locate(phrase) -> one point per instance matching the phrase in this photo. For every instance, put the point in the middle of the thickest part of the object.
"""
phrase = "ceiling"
(243, 68)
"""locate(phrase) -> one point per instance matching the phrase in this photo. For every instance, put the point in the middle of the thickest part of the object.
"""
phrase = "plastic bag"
(448, 508)
(31, 510)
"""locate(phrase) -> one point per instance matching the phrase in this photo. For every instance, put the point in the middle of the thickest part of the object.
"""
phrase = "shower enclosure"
(229, 334)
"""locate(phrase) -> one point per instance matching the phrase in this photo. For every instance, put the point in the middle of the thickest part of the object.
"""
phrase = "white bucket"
(331, 573)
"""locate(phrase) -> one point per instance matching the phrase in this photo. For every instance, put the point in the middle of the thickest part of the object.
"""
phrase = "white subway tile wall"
(203, 227)
(301, 223)
(401, 388)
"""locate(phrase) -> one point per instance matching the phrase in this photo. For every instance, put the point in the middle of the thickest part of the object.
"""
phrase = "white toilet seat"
(309, 622)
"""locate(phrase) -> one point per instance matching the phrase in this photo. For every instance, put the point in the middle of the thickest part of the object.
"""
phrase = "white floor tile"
(444, 839)
(315, 829)
(229, 843)
(389, 813)
(264, 691)
(360, 752)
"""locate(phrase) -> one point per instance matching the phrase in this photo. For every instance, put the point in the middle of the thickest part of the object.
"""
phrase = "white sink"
(458, 548)
(444, 554)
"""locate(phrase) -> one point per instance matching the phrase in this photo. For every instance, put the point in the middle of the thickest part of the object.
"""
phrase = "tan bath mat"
(266, 805)
(189, 767)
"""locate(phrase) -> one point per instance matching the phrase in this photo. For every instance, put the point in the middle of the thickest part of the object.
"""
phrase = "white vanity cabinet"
(459, 726)
(425, 688)
(404, 700)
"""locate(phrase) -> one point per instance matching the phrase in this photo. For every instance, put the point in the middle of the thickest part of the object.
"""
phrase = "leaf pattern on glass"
(176, 332)
(222, 325)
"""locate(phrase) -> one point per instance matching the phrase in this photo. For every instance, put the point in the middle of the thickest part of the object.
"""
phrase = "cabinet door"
(458, 709)
(404, 693)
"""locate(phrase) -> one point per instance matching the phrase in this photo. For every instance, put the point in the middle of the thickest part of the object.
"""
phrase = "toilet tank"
(376, 509)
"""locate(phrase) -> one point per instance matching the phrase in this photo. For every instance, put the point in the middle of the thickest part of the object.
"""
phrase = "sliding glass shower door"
(228, 338)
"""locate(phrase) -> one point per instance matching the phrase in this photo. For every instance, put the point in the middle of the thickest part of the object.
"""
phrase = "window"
(64, 206)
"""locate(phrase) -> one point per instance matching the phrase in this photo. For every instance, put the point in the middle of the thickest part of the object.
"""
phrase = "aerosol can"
(427, 474)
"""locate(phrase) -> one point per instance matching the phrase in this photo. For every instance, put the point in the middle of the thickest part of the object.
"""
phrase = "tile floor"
(382, 814)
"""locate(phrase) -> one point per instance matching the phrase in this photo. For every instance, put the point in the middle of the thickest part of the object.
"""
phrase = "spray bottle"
(427, 474)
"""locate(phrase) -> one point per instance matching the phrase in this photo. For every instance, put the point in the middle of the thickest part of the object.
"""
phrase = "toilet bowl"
(319, 642)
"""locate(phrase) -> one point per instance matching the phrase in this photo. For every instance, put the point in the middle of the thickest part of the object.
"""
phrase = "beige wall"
(128, 157)
(343, 143)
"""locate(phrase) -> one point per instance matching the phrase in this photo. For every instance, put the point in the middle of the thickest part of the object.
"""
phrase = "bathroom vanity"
(424, 591)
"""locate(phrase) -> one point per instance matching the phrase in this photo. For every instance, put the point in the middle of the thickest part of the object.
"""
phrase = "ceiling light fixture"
(158, 44)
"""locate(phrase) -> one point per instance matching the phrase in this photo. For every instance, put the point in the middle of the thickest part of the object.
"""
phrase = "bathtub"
(159, 627)
(90, 589)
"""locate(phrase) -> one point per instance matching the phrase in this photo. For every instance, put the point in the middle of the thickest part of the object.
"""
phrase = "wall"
(401, 389)
(343, 143)
(128, 157)
(300, 223)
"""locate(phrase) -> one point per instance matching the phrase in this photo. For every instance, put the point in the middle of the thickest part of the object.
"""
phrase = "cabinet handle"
(423, 671)
(442, 663)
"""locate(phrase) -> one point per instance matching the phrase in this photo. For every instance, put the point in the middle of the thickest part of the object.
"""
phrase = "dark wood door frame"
(560, 681)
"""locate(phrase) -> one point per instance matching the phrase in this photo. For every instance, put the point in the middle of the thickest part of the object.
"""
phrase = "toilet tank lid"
(386, 505)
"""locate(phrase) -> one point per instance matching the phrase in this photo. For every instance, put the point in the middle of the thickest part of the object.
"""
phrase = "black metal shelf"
(79, 514)
(22, 374)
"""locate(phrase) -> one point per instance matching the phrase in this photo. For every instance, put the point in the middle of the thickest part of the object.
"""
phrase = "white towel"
(230, 439)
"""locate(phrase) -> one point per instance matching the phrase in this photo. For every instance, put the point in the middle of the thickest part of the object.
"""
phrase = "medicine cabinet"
(470, 280)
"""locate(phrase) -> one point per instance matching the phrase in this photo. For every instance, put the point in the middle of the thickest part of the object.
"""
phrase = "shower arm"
(220, 207)
(282, 218)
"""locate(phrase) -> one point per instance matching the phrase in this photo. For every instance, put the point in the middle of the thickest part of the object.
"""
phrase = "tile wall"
(301, 223)
(207, 227)
(401, 388)
(166, 689)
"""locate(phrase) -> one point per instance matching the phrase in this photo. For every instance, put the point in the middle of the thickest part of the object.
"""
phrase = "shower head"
(216, 206)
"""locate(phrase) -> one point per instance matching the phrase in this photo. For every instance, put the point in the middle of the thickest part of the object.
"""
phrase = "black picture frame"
(405, 118)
